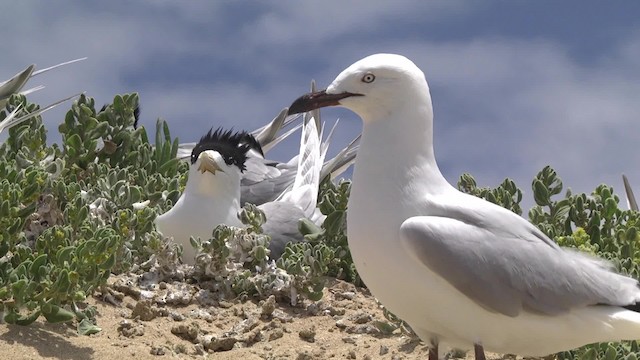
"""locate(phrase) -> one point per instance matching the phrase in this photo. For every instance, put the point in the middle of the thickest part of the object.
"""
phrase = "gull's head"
(218, 160)
(372, 87)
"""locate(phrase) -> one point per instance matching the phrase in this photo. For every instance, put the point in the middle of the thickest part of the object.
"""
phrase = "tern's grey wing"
(265, 180)
(11, 119)
(16, 83)
(281, 225)
(631, 199)
(184, 150)
(506, 265)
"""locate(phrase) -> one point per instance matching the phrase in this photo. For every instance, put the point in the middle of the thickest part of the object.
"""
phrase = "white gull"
(461, 271)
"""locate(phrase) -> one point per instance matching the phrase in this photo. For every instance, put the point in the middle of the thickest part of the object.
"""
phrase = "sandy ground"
(341, 326)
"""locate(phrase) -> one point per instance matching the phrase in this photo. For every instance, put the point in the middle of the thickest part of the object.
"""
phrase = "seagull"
(461, 271)
(212, 193)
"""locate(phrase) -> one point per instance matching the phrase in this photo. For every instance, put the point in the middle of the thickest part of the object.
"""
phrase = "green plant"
(72, 215)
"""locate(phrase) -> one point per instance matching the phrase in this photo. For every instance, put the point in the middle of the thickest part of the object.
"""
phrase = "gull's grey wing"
(265, 180)
(505, 264)
(281, 225)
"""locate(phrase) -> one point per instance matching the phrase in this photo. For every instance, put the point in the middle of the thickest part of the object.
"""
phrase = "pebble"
(308, 334)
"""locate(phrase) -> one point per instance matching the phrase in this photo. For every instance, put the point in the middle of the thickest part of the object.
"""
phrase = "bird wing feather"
(505, 264)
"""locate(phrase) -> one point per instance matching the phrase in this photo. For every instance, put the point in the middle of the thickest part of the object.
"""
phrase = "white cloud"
(505, 107)
(312, 22)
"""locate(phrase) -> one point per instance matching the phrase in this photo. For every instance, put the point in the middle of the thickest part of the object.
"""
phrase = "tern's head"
(372, 87)
(218, 160)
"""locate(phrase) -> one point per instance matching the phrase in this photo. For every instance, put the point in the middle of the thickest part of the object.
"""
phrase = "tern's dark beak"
(316, 100)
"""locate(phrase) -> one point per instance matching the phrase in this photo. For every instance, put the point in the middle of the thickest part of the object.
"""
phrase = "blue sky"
(516, 85)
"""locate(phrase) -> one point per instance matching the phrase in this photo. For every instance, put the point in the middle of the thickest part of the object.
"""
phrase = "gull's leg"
(433, 351)
(479, 352)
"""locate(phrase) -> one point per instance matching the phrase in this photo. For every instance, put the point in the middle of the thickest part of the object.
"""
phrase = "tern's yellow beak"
(207, 163)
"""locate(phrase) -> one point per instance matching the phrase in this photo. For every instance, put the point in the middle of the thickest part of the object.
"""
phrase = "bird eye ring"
(368, 78)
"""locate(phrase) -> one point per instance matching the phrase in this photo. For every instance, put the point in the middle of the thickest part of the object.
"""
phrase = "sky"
(516, 85)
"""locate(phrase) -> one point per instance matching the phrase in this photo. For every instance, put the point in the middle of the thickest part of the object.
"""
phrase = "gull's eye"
(368, 78)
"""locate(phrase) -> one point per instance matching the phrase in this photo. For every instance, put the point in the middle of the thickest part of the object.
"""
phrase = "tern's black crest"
(136, 116)
(232, 146)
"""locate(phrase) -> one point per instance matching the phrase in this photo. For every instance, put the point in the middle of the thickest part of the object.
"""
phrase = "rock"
(362, 329)
(308, 334)
(341, 324)
(282, 316)
(144, 310)
(245, 325)
(199, 349)
(201, 314)
(176, 316)
(222, 343)
(157, 350)
(349, 340)
(309, 354)
(268, 306)
(346, 295)
(276, 334)
(130, 329)
(383, 350)
(188, 332)
(333, 311)
(360, 318)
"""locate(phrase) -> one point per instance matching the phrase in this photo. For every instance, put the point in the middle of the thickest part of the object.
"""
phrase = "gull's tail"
(18, 81)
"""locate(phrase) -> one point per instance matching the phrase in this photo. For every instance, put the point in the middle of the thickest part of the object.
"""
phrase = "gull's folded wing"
(505, 264)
